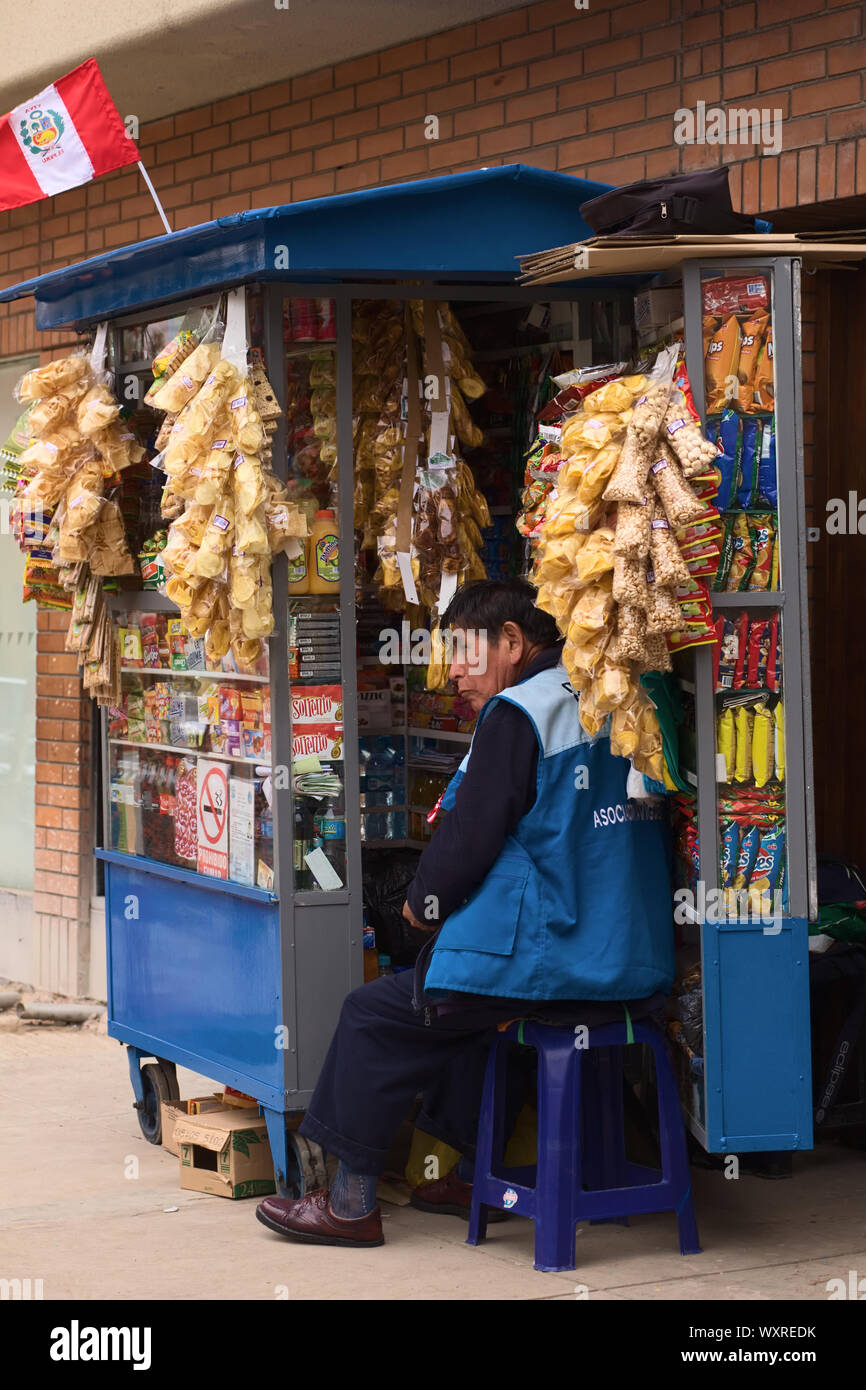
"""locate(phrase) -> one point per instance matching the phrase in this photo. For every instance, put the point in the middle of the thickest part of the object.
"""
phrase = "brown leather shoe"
(310, 1219)
(449, 1196)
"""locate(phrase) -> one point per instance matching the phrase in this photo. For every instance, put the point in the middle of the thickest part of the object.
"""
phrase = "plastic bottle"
(331, 828)
(324, 554)
(299, 576)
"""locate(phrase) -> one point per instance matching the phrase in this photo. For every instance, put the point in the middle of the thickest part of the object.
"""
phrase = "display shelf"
(314, 345)
(760, 598)
(140, 600)
(449, 735)
(189, 752)
(199, 675)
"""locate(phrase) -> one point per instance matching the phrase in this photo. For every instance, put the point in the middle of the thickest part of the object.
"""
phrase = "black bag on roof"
(699, 203)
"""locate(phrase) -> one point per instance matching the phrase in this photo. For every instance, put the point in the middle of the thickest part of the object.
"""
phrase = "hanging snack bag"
(767, 491)
(668, 564)
(729, 837)
(735, 294)
(763, 531)
(754, 330)
(729, 645)
(743, 720)
(633, 525)
(749, 844)
(729, 443)
(743, 554)
(682, 428)
(767, 867)
(764, 394)
(762, 745)
(749, 463)
(680, 504)
(726, 740)
(721, 363)
(779, 742)
(741, 667)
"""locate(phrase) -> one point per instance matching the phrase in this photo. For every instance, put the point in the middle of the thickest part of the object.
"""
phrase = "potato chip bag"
(557, 558)
(596, 556)
(721, 363)
(753, 331)
(763, 392)
(180, 388)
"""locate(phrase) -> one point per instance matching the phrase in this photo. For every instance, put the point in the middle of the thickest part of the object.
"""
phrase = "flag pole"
(146, 176)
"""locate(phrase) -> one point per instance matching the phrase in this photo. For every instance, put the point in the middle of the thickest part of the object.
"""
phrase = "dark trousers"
(384, 1052)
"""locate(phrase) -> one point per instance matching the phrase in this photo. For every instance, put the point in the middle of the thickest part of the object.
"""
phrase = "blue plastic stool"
(574, 1084)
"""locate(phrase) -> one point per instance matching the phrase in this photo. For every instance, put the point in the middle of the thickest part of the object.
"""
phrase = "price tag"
(405, 566)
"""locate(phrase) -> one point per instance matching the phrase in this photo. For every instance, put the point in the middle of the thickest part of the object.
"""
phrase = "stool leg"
(675, 1160)
(558, 1177)
(608, 1140)
(491, 1137)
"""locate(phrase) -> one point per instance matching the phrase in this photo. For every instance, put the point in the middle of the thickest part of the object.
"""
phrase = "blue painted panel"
(197, 968)
(472, 225)
(756, 1021)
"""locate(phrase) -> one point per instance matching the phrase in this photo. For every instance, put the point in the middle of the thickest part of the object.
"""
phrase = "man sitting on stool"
(549, 892)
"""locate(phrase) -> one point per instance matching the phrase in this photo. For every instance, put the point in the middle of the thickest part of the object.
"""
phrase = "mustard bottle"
(324, 554)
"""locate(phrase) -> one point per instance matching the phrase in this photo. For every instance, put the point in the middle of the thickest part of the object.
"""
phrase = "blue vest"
(578, 904)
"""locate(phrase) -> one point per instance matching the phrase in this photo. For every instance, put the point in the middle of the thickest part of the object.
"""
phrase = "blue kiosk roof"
(468, 226)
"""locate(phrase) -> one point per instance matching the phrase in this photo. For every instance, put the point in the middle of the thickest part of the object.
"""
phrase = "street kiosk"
(231, 958)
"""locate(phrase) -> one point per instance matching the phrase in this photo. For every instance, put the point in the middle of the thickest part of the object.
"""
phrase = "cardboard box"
(225, 1153)
(656, 308)
(171, 1110)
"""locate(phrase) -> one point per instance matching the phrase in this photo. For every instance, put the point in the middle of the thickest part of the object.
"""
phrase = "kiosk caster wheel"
(159, 1080)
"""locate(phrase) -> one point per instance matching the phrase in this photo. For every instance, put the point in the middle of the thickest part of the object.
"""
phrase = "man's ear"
(516, 641)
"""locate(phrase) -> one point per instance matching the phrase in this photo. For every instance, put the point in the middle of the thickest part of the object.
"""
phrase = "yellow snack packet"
(779, 741)
(725, 741)
(762, 745)
(744, 721)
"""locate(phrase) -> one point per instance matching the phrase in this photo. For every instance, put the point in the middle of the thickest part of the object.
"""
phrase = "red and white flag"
(67, 135)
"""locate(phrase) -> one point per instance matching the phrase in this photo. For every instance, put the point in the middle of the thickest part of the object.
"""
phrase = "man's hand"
(410, 917)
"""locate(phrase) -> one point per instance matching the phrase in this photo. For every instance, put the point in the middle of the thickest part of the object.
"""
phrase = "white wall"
(17, 724)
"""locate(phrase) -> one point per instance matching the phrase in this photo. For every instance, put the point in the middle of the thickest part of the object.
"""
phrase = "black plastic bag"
(387, 875)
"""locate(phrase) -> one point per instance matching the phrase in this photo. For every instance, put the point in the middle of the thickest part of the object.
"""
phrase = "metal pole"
(146, 176)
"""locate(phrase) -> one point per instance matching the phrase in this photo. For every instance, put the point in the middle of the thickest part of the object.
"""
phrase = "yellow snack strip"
(779, 720)
(744, 720)
(726, 741)
(762, 745)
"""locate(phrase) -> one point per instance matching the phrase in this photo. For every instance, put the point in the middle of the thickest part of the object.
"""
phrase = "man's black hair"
(488, 604)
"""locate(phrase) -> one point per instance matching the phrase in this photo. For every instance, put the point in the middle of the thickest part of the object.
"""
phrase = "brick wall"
(589, 93)
(586, 93)
(63, 839)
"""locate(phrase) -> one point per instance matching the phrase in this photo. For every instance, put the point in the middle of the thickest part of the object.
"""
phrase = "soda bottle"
(331, 831)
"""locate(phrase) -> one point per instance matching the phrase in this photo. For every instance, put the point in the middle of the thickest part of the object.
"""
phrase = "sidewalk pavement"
(70, 1216)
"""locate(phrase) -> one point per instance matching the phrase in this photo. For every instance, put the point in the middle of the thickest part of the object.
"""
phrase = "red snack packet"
(681, 379)
(735, 294)
(758, 652)
(742, 626)
(771, 680)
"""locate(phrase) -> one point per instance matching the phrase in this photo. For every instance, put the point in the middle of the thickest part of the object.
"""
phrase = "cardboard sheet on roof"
(649, 254)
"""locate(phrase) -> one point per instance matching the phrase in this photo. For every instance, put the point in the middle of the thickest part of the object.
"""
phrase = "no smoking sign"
(212, 812)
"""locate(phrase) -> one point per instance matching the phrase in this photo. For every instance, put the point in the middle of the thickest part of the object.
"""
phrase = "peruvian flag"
(67, 135)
